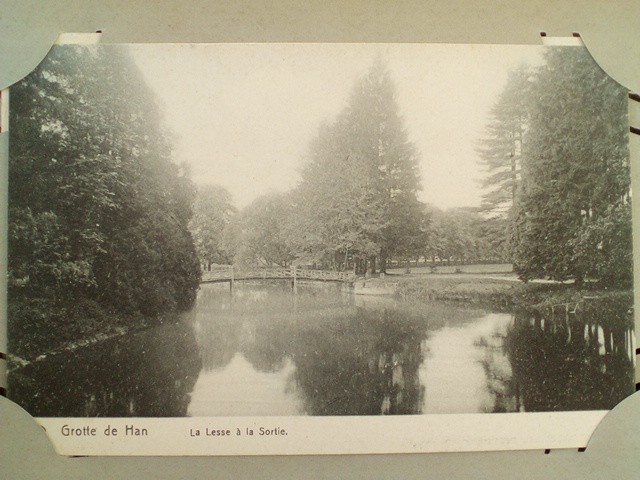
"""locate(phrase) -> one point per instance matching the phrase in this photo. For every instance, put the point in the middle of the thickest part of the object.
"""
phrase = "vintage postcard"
(236, 249)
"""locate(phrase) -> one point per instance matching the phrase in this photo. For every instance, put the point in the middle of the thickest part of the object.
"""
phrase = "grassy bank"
(500, 293)
(508, 294)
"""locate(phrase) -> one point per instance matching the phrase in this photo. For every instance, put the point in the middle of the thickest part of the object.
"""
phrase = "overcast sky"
(243, 114)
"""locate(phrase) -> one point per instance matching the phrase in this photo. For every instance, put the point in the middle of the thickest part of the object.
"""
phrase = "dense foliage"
(357, 200)
(557, 170)
(464, 235)
(572, 216)
(98, 211)
(261, 234)
(213, 210)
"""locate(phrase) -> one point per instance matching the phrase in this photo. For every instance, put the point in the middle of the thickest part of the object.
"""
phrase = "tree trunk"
(383, 262)
(357, 266)
(513, 177)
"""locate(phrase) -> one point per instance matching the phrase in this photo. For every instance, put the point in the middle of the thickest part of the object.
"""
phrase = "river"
(325, 351)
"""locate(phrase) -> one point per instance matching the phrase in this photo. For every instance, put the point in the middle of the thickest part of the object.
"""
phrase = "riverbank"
(506, 292)
(39, 328)
(500, 293)
(85, 323)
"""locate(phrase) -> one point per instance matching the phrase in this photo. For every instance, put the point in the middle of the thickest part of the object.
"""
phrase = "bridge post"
(294, 282)
(231, 280)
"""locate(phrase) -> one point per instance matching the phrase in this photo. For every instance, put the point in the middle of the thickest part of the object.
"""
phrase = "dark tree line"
(463, 235)
(98, 211)
(557, 157)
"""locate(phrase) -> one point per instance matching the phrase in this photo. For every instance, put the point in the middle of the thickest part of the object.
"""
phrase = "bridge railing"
(233, 273)
(325, 275)
(217, 274)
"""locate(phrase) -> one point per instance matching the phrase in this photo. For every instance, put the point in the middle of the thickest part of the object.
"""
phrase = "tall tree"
(572, 217)
(361, 179)
(338, 213)
(501, 150)
(98, 210)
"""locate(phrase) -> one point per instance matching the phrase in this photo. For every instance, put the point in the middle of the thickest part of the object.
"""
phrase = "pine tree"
(502, 149)
(572, 217)
(360, 183)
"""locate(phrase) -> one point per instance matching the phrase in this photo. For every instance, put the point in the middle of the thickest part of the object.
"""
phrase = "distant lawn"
(459, 288)
(500, 268)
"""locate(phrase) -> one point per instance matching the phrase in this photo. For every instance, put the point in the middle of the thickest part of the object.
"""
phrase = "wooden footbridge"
(233, 274)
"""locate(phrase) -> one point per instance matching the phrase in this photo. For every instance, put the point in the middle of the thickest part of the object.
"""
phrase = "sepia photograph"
(274, 230)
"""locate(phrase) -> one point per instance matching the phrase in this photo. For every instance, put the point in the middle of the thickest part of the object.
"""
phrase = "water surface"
(264, 350)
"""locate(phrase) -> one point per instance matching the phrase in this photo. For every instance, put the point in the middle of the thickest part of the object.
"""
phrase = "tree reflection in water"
(560, 359)
(361, 364)
(219, 340)
(350, 355)
(266, 351)
(145, 374)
